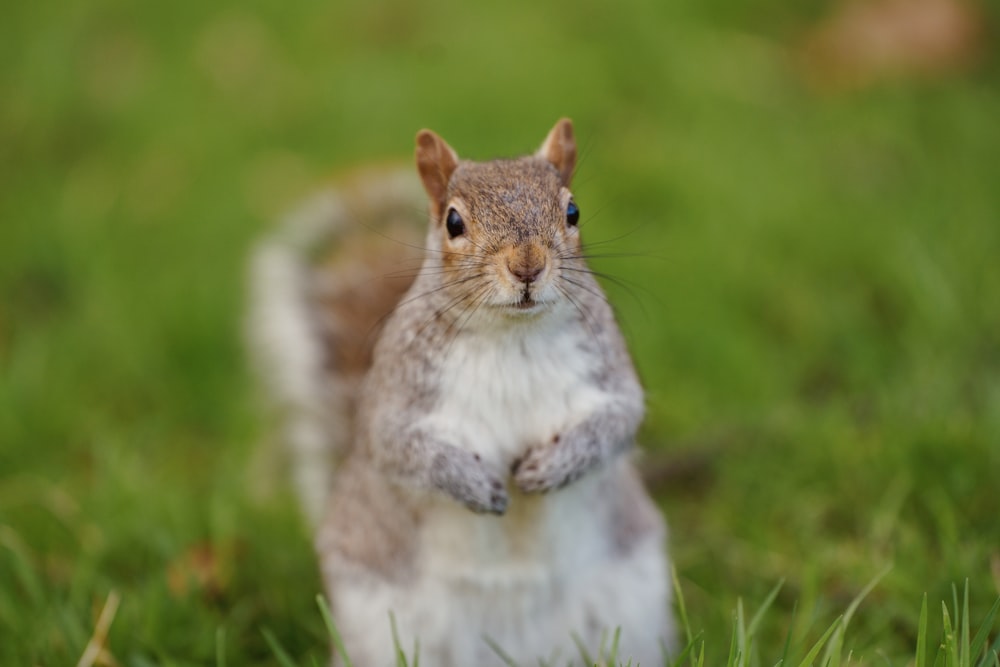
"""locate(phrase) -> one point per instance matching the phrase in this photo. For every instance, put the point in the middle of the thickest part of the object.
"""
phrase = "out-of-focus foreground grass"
(815, 306)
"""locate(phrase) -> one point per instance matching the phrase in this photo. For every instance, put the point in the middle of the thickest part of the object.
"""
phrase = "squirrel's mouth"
(526, 303)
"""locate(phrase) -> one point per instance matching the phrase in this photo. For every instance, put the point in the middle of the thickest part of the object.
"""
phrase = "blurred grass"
(818, 313)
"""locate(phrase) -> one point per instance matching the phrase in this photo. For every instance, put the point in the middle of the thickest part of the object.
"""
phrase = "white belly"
(530, 581)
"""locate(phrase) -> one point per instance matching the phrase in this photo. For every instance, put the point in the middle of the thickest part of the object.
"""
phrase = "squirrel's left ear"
(436, 161)
(559, 149)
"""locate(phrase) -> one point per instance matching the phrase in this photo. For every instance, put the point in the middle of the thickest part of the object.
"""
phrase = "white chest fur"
(502, 392)
(508, 389)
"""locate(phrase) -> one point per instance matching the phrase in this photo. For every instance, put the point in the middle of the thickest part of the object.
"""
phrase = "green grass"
(956, 648)
(817, 317)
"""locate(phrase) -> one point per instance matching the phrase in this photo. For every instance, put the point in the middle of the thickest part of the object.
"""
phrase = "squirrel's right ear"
(559, 148)
(435, 161)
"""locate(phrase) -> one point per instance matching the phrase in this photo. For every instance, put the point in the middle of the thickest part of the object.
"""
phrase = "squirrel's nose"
(526, 273)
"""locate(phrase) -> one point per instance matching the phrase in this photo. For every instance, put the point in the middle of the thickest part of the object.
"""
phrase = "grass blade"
(965, 659)
(834, 648)
(948, 645)
(681, 608)
(818, 646)
(788, 636)
(982, 636)
(731, 662)
(400, 655)
(503, 655)
(741, 635)
(331, 629)
(759, 616)
(683, 655)
(611, 657)
(582, 648)
(983, 633)
(921, 660)
(220, 646)
(277, 649)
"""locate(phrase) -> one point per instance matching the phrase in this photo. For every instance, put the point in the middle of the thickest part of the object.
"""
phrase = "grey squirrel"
(468, 473)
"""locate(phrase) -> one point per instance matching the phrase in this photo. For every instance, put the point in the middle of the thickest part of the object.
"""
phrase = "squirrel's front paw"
(549, 466)
(464, 476)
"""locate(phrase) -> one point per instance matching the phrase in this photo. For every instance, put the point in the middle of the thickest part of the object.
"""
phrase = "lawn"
(809, 283)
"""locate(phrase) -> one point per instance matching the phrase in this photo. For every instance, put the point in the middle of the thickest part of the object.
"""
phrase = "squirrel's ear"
(435, 161)
(559, 148)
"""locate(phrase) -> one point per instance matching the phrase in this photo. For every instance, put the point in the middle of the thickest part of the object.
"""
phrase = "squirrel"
(469, 472)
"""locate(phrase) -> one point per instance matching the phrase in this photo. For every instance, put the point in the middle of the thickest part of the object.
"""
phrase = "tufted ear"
(435, 161)
(559, 148)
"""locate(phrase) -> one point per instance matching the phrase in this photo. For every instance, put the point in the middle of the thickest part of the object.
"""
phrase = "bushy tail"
(319, 285)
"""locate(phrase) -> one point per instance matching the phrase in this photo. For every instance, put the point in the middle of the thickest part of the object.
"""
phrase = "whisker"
(600, 295)
(449, 331)
(474, 305)
(482, 250)
(441, 287)
(641, 225)
(423, 295)
(435, 316)
(435, 271)
(587, 318)
(630, 287)
(415, 246)
(605, 255)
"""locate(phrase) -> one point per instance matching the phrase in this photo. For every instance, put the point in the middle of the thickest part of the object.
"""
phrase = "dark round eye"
(454, 223)
(572, 214)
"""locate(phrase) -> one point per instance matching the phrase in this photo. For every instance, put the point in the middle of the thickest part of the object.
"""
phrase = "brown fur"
(382, 533)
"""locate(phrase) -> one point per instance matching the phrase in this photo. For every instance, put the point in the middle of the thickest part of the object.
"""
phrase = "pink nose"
(526, 274)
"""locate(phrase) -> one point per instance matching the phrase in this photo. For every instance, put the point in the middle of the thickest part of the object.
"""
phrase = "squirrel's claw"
(464, 477)
(491, 501)
(548, 467)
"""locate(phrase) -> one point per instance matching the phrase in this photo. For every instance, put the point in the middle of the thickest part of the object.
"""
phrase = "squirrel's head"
(504, 230)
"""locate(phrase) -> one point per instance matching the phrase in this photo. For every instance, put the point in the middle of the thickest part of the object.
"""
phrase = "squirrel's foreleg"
(420, 456)
(569, 455)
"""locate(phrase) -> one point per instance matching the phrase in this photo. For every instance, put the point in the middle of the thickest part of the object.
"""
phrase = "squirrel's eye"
(454, 223)
(572, 214)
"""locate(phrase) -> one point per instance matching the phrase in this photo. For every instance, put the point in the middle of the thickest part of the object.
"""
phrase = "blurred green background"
(811, 192)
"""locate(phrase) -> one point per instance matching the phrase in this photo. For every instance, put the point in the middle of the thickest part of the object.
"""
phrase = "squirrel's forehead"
(511, 182)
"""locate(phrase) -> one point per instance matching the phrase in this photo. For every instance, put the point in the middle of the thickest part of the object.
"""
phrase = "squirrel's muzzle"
(526, 263)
